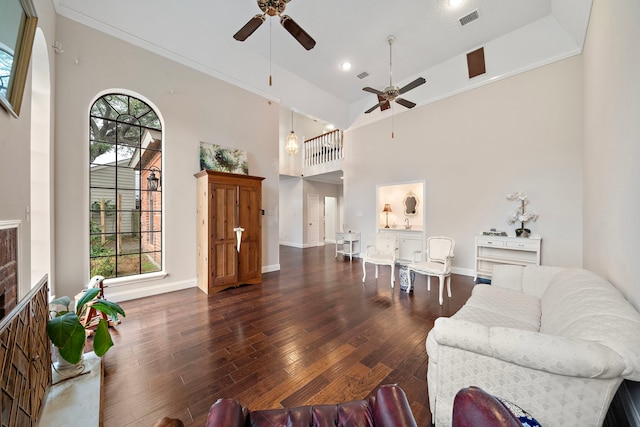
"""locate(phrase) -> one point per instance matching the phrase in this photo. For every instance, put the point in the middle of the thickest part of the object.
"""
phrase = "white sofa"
(557, 342)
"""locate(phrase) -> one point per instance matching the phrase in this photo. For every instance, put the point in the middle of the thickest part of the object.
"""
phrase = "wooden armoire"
(229, 235)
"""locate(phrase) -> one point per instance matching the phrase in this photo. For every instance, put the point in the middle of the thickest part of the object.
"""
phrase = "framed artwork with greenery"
(223, 159)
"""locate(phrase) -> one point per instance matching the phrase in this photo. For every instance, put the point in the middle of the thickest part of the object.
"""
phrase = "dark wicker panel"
(25, 360)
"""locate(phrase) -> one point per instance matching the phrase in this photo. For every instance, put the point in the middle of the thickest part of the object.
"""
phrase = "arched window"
(125, 161)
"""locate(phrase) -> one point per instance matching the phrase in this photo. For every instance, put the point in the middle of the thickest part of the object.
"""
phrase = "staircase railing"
(323, 149)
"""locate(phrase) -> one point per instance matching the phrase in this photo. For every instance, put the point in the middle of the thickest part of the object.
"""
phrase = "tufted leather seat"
(388, 407)
(473, 407)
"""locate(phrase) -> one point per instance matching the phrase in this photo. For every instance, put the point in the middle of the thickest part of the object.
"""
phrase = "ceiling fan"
(391, 92)
(275, 8)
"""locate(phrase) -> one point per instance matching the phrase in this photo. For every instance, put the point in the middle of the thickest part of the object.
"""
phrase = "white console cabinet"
(492, 250)
(409, 241)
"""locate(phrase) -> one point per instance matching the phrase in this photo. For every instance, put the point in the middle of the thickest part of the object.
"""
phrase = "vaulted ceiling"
(430, 42)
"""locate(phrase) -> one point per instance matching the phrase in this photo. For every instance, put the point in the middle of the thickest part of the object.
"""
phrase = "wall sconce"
(153, 182)
(387, 209)
(292, 146)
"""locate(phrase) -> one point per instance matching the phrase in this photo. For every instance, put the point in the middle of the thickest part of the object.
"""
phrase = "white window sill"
(138, 278)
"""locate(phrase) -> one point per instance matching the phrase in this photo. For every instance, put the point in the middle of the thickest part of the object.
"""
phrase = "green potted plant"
(67, 332)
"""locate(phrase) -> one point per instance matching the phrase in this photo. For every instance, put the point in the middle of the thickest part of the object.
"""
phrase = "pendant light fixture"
(292, 145)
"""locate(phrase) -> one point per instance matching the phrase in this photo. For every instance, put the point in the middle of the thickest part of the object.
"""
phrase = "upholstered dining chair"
(382, 252)
(436, 262)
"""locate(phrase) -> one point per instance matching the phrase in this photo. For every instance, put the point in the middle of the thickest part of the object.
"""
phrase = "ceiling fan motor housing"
(391, 92)
(272, 7)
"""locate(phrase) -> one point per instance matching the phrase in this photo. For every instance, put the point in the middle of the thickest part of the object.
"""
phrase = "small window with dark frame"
(125, 163)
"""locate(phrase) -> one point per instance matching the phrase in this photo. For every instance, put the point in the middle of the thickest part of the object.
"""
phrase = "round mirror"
(410, 203)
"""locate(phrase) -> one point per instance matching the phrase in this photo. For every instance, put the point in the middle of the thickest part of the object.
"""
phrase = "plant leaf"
(109, 308)
(102, 341)
(61, 301)
(67, 333)
(88, 296)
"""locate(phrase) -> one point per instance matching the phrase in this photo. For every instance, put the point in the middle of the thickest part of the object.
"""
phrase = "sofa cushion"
(581, 305)
(492, 306)
(532, 280)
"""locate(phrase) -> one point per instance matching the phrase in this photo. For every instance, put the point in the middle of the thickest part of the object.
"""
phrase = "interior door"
(314, 220)
(330, 219)
(223, 247)
(250, 218)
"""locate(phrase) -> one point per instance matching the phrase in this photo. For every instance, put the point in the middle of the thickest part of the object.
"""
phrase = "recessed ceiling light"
(454, 4)
(346, 66)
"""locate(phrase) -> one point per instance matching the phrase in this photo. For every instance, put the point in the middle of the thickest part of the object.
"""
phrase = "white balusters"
(323, 149)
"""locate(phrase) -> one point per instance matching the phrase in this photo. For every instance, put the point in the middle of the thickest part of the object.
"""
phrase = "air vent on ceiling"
(362, 75)
(469, 18)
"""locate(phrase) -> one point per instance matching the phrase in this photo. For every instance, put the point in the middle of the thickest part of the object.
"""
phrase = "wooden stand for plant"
(92, 316)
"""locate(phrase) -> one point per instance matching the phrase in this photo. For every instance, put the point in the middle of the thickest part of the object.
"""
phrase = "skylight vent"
(469, 18)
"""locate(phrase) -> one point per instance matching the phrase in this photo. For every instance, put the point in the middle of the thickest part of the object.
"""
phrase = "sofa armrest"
(533, 350)
(390, 407)
(228, 413)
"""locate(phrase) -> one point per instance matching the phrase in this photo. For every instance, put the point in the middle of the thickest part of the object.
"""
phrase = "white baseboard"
(463, 271)
(292, 244)
(300, 245)
(270, 268)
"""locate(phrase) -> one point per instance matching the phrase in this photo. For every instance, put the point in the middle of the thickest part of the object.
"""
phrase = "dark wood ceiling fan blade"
(380, 104)
(385, 103)
(297, 32)
(405, 103)
(417, 82)
(249, 28)
(372, 90)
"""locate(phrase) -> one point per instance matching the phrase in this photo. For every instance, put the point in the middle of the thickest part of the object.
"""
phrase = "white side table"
(493, 250)
(348, 244)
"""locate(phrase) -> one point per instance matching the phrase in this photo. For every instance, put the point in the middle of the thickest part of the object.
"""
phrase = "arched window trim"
(133, 121)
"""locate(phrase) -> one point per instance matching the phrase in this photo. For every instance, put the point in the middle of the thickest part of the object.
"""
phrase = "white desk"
(348, 244)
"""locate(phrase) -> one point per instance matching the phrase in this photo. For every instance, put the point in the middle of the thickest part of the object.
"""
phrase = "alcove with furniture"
(401, 210)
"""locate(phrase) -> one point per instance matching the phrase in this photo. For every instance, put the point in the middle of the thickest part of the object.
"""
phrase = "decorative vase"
(522, 232)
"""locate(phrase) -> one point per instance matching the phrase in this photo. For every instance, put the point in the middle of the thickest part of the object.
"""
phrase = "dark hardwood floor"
(311, 333)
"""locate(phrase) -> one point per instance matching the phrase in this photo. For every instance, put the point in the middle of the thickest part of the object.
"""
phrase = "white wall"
(523, 133)
(291, 211)
(612, 145)
(305, 128)
(15, 150)
(321, 189)
(194, 107)
(294, 194)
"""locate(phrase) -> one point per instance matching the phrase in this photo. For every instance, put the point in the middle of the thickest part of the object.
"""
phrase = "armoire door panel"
(226, 262)
(250, 211)
(224, 211)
